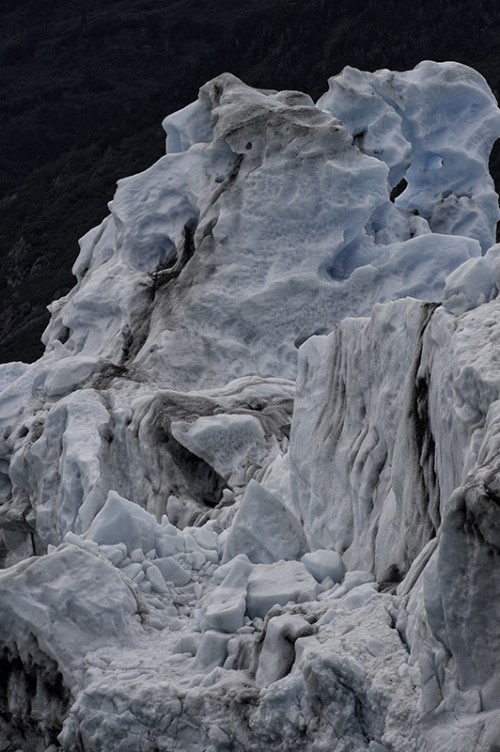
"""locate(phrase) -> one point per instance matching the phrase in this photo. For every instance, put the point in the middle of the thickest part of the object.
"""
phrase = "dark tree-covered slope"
(85, 85)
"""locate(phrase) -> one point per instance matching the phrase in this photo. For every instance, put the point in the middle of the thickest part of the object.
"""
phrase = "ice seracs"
(444, 167)
(248, 496)
(253, 232)
(362, 411)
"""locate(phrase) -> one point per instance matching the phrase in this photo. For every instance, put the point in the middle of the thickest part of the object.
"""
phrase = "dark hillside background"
(85, 85)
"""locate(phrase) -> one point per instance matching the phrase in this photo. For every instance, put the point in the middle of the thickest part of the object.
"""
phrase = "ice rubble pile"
(214, 542)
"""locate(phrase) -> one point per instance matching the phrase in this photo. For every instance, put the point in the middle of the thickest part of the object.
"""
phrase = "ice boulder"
(212, 650)
(122, 521)
(323, 563)
(282, 583)
(171, 571)
(168, 540)
(278, 650)
(224, 609)
(468, 286)
(156, 579)
(224, 441)
(359, 596)
(264, 529)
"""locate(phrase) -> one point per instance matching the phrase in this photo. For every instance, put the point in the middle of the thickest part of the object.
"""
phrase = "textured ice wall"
(399, 414)
(157, 500)
(367, 484)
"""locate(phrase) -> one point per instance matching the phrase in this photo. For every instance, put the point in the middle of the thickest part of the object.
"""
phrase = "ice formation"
(249, 495)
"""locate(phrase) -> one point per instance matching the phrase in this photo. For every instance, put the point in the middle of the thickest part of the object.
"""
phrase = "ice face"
(248, 496)
(268, 221)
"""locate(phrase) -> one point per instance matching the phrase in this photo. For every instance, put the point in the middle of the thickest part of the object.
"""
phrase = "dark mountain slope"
(85, 85)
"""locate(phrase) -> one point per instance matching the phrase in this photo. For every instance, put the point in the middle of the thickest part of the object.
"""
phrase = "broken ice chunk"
(224, 608)
(171, 571)
(212, 650)
(122, 521)
(278, 651)
(359, 597)
(279, 584)
(468, 286)
(205, 536)
(264, 529)
(156, 579)
(221, 573)
(323, 563)
(114, 554)
(168, 543)
(226, 442)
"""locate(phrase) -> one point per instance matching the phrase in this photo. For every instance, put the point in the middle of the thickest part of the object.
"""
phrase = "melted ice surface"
(248, 496)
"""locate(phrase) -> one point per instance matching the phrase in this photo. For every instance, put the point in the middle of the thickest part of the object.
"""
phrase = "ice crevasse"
(249, 495)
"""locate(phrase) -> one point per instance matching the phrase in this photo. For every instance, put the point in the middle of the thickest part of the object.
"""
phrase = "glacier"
(249, 495)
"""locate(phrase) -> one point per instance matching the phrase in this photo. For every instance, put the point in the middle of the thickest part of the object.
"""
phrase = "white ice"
(248, 495)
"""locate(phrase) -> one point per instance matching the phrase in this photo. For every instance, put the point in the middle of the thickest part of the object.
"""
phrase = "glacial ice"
(264, 529)
(10, 372)
(248, 495)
